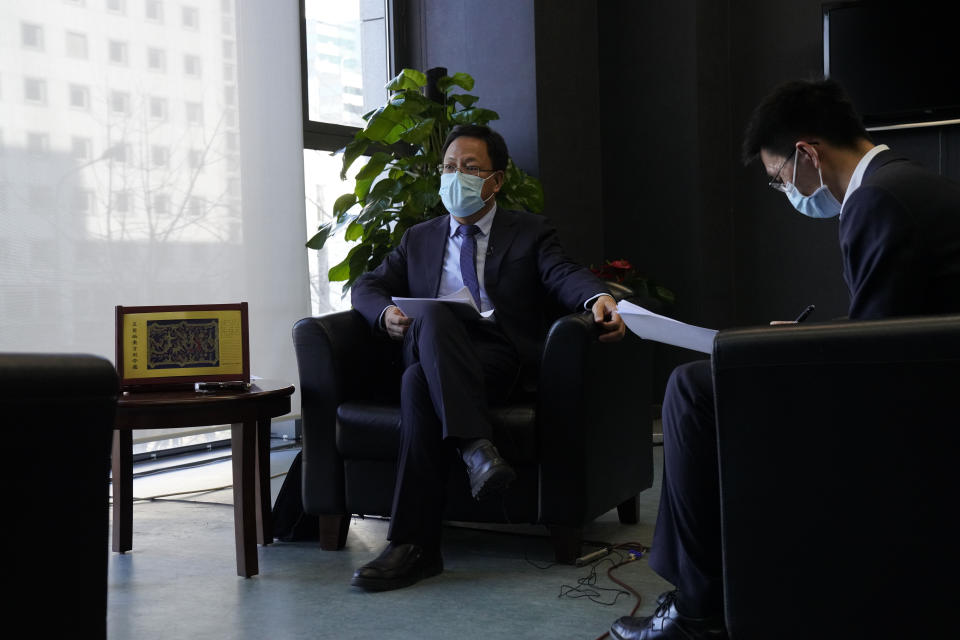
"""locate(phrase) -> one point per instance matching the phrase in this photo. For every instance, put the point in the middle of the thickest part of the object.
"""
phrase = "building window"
(191, 65)
(81, 148)
(37, 143)
(83, 201)
(194, 113)
(230, 95)
(117, 52)
(161, 204)
(31, 36)
(120, 152)
(195, 158)
(191, 18)
(76, 45)
(195, 206)
(79, 96)
(121, 201)
(229, 72)
(158, 108)
(159, 156)
(120, 102)
(229, 49)
(117, 6)
(226, 6)
(154, 10)
(156, 59)
(35, 90)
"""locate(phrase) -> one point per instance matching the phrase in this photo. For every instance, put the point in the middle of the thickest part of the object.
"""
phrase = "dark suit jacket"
(900, 238)
(525, 270)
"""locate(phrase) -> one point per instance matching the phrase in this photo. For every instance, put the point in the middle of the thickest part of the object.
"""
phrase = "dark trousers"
(686, 543)
(453, 370)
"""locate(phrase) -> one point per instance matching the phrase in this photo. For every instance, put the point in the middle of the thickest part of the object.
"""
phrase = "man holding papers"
(900, 243)
(458, 361)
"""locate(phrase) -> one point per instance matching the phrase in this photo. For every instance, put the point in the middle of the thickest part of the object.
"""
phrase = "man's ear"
(498, 179)
(810, 151)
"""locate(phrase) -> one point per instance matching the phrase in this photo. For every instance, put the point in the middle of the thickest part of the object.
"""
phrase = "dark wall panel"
(568, 118)
(493, 41)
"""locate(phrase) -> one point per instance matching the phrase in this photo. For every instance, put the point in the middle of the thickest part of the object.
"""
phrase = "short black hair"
(801, 109)
(496, 146)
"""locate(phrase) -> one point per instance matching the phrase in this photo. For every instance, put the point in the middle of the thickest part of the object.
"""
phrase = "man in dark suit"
(512, 264)
(900, 242)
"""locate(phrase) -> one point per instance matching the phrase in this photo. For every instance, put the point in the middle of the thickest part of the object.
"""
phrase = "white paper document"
(463, 302)
(652, 326)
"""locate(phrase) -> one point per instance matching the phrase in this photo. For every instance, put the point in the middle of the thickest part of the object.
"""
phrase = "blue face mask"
(819, 204)
(460, 193)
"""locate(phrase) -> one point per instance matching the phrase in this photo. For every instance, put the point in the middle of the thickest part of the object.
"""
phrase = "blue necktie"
(468, 259)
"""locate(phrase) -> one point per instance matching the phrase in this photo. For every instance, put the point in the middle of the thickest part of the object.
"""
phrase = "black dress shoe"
(667, 623)
(489, 473)
(399, 565)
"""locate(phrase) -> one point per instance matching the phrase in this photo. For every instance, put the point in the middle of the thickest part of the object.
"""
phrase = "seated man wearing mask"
(900, 243)
(512, 263)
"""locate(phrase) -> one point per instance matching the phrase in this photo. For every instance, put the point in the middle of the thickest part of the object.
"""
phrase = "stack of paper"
(651, 326)
(463, 302)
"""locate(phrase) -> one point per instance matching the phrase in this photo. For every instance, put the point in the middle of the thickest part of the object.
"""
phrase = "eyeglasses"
(776, 182)
(452, 168)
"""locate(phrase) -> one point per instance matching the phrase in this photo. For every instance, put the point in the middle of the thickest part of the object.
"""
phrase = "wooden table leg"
(243, 440)
(264, 514)
(122, 481)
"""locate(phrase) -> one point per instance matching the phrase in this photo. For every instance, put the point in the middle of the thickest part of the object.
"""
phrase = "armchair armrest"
(593, 420)
(337, 355)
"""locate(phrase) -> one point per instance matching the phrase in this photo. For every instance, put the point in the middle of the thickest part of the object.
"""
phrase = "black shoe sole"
(492, 482)
(389, 584)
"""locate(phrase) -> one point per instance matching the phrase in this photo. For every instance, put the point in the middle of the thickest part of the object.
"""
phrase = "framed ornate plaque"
(182, 345)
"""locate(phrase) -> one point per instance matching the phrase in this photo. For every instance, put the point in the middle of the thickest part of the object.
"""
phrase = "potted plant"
(399, 186)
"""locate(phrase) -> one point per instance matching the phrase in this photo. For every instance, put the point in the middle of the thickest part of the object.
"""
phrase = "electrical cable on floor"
(633, 551)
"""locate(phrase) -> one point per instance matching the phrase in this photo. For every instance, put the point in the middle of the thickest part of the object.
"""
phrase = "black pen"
(806, 312)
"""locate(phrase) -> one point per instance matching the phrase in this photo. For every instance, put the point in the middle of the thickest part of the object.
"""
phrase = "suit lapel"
(501, 236)
(434, 249)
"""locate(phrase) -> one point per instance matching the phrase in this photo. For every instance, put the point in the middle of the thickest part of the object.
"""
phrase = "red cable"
(630, 558)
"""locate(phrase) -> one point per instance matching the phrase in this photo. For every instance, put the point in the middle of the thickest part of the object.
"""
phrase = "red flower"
(620, 264)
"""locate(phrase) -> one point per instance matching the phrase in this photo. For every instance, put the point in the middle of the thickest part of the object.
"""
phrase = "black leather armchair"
(839, 446)
(581, 444)
(58, 413)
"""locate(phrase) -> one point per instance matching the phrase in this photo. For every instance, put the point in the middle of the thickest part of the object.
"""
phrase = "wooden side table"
(247, 412)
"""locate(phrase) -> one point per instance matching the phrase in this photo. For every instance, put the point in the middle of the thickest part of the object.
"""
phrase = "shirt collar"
(484, 223)
(861, 169)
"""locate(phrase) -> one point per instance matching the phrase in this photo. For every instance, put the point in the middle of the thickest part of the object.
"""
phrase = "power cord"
(627, 552)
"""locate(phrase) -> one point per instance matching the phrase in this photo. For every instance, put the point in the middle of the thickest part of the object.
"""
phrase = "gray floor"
(180, 579)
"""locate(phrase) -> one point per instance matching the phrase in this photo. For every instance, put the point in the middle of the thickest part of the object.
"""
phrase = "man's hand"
(395, 323)
(606, 315)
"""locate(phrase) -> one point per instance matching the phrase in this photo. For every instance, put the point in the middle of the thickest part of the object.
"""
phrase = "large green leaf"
(351, 152)
(474, 115)
(419, 132)
(407, 79)
(354, 232)
(413, 103)
(320, 237)
(381, 124)
(339, 272)
(464, 98)
(343, 204)
(369, 173)
(462, 80)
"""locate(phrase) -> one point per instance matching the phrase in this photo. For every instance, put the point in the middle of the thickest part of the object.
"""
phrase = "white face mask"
(460, 193)
(819, 204)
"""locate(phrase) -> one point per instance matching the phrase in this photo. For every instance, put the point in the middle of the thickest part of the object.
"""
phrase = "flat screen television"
(898, 61)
